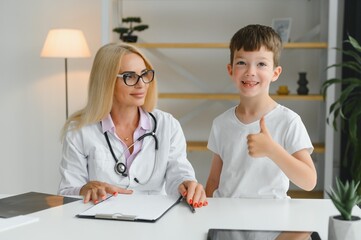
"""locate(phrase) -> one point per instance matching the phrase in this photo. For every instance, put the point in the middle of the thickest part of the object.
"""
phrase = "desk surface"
(179, 223)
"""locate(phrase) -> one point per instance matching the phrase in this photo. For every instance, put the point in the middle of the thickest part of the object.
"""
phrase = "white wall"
(217, 21)
(32, 97)
(32, 91)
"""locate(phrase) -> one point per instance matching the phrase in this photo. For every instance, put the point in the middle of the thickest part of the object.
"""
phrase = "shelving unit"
(326, 13)
(235, 96)
(295, 45)
(202, 145)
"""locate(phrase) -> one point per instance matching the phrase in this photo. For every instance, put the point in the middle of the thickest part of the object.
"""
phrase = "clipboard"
(132, 207)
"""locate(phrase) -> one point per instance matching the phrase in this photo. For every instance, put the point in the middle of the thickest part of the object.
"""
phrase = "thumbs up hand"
(260, 144)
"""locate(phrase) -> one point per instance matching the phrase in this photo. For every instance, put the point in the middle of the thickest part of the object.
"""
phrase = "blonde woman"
(118, 143)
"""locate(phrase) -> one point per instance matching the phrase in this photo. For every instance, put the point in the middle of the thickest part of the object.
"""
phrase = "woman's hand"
(194, 193)
(97, 191)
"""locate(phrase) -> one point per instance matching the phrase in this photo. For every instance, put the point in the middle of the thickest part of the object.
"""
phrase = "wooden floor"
(305, 194)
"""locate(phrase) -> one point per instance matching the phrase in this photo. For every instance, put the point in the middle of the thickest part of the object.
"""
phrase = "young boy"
(258, 145)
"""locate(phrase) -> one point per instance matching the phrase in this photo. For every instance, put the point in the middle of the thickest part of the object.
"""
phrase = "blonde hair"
(102, 80)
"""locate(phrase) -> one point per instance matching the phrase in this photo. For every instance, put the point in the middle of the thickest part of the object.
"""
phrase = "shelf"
(305, 194)
(311, 45)
(202, 146)
(291, 45)
(235, 96)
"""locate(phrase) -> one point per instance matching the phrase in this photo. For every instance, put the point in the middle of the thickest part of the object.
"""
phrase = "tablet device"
(31, 202)
(241, 234)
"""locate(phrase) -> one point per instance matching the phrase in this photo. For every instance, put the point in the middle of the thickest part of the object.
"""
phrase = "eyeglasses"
(131, 78)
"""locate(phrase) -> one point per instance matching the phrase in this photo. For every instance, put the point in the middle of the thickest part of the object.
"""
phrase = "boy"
(258, 145)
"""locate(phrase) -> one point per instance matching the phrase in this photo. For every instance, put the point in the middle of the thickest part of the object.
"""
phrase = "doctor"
(118, 143)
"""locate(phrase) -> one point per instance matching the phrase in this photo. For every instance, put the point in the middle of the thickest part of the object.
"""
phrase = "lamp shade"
(65, 43)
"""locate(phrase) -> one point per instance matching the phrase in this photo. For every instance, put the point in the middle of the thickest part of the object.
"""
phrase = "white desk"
(179, 223)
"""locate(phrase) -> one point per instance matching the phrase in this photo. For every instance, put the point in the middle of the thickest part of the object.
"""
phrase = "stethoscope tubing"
(120, 168)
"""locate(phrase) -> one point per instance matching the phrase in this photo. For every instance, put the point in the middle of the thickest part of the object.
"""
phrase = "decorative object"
(348, 107)
(283, 90)
(283, 27)
(302, 84)
(344, 226)
(65, 43)
(126, 33)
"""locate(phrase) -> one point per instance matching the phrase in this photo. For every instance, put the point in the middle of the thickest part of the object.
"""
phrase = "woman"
(116, 145)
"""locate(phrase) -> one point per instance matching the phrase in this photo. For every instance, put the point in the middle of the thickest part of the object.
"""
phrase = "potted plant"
(348, 107)
(126, 33)
(345, 225)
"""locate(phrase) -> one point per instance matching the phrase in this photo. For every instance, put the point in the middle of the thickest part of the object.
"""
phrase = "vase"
(283, 90)
(339, 229)
(129, 38)
(302, 84)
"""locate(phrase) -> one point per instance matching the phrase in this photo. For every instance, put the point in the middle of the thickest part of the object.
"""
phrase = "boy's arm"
(214, 175)
(298, 167)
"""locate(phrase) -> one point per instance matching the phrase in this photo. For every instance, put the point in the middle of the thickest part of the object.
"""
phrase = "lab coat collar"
(144, 122)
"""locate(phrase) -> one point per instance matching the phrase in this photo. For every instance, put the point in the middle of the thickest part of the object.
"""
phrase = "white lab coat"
(87, 157)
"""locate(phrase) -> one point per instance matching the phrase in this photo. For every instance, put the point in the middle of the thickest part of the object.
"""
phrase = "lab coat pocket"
(100, 164)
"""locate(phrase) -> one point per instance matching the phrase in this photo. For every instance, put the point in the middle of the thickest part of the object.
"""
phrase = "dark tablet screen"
(30, 202)
(238, 234)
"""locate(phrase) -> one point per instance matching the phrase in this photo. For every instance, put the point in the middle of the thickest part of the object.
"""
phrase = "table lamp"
(65, 43)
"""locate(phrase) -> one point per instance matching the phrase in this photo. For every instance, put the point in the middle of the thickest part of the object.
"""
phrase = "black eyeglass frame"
(126, 74)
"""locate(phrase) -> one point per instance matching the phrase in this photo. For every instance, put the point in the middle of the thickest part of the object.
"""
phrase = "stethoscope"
(120, 168)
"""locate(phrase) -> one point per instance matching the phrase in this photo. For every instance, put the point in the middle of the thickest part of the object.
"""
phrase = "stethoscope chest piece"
(120, 169)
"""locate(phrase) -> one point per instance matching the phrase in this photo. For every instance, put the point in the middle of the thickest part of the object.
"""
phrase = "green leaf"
(330, 82)
(353, 119)
(351, 65)
(354, 43)
(334, 106)
(121, 30)
(345, 197)
(132, 19)
(347, 107)
(129, 30)
(140, 27)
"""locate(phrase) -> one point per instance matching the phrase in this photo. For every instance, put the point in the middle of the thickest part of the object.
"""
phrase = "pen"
(190, 206)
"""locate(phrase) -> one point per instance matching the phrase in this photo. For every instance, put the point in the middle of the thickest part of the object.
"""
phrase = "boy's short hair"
(253, 37)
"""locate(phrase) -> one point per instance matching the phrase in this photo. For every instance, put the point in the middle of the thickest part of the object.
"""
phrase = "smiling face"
(130, 96)
(253, 71)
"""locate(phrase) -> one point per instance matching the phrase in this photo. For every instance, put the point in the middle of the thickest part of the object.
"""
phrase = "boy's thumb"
(262, 124)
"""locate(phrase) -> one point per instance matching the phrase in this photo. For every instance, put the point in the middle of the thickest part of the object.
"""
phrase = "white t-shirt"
(248, 177)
